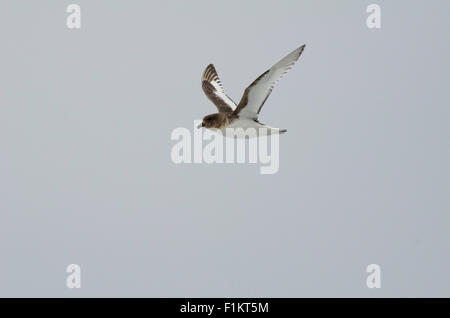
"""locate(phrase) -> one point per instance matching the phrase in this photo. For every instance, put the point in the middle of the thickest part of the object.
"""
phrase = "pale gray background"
(86, 175)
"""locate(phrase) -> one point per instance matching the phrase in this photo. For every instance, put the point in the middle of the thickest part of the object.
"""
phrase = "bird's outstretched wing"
(256, 94)
(212, 86)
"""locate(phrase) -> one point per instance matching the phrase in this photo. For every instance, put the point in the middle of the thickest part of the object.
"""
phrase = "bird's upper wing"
(256, 94)
(212, 86)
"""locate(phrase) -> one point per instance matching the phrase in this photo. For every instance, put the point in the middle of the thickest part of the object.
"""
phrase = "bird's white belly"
(244, 124)
(242, 128)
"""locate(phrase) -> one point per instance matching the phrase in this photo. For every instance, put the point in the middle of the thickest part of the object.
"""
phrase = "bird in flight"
(245, 114)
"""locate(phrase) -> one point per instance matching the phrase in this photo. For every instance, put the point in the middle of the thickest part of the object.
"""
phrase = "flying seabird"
(245, 114)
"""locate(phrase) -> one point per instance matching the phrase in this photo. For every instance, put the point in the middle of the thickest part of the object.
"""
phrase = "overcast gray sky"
(86, 175)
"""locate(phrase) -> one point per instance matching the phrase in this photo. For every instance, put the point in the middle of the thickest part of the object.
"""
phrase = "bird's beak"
(200, 126)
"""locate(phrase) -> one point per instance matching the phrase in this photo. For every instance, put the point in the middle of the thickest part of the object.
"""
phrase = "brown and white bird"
(245, 114)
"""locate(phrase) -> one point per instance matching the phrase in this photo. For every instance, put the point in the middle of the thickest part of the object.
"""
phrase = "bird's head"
(210, 121)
